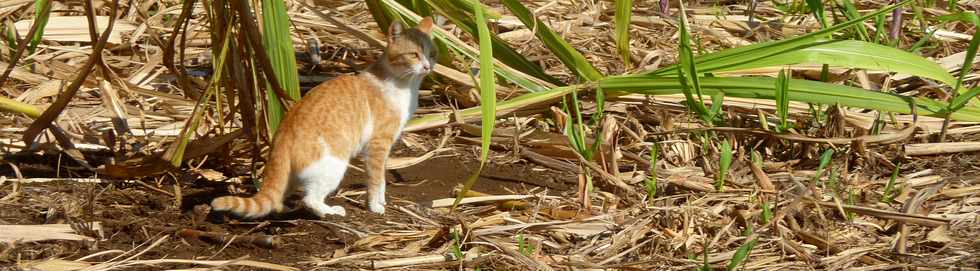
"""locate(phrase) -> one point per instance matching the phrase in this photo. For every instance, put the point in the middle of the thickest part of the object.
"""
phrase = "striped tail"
(267, 200)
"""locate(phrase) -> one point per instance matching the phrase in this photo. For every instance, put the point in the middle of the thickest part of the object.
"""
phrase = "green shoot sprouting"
(890, 192)
(688, 73)
(782, 101)
(824, 162)
(742, 253)
(42, 11)
(623, 13)
(766, 212)
(523, 246)
(651, 182)
(832, 180)
(881, 35)
(960, 101)
(456, 247)
(851, 12)
(723, 164)
(816, 6)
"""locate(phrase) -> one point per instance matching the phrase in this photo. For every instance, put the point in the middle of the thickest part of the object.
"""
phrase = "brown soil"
(133, 215)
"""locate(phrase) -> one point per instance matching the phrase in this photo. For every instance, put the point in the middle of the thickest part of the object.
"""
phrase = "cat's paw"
(336, 210)
(378, 206)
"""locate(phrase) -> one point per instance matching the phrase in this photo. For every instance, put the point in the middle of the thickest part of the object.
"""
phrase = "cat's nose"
(426, 67)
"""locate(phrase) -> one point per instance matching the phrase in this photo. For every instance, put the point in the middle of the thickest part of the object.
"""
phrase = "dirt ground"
(132, 215)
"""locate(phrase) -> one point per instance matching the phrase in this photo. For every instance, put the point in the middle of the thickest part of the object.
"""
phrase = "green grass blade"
(749, 87)
(501, 50)
(381, 14)
(799, 90)
(574, 126)
(41, 14)
(651, 182)
(824, 162)
(717, 102)
(488, 97)
(597, 118)
(816, 6)
(962, 100)
(623, 13)
(724, 163)
(971, 53)
(488, 94)
(688, 74)
(782, 100)
(843, 53)
(921, 44)
(880, 34)
(759, 51)
(890, 192)
(766, 213)
(833, 180)
(278, 45)
(572, 59)
(852, 13)
(741, 254)
(11, 37)
(176, 154)
(506, 107)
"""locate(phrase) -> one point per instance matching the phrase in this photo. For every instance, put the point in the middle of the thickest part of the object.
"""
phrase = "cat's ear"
(425, 25)
(394, 31)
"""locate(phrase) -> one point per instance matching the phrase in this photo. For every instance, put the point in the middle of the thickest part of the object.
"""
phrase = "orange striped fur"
(338, 120)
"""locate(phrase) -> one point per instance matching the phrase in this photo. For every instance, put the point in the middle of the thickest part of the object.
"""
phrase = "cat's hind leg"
(319, 180)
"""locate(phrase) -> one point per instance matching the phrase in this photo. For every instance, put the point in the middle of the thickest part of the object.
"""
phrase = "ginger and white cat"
(336, 121)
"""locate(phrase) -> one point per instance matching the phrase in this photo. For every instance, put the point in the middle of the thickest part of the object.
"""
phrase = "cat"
(336, 121)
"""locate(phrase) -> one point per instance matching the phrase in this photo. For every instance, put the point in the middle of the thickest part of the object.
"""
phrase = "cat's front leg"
(377, 155)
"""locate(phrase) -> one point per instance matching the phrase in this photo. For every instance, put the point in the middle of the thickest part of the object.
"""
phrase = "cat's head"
(410, 52)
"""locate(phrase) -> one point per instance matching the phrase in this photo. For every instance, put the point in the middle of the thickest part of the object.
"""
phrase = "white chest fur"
(402, 97)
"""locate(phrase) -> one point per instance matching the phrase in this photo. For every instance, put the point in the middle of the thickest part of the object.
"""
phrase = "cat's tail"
(268, 199)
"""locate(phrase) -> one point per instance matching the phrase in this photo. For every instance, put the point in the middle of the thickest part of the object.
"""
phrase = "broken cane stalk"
(426, 259)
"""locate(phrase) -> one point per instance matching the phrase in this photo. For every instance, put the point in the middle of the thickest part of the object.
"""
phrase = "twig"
(897, 216)
(47, 180)
(154, 188)
(911, 207)
(605, 175)
(940, 148)
(416, 216)
(549, 162)
(262, 240)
